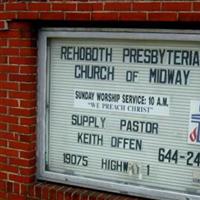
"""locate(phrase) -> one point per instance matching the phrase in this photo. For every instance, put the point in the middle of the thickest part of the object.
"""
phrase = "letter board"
(120, 113)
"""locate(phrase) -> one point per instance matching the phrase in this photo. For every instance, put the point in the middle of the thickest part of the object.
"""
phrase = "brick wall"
(18, 67)
(91, 10)
(17, 109)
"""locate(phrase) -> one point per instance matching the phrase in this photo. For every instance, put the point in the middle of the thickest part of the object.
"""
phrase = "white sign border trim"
(42, 106)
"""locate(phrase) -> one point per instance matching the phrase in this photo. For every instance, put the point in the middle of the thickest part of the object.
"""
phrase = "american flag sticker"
(194, 123)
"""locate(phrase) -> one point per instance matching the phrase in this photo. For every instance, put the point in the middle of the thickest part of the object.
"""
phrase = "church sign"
(120, 111)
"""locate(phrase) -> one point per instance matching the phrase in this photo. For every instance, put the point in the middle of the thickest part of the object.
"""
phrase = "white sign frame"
(42, 173)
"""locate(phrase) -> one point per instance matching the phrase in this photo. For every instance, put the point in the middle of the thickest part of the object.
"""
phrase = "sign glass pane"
(125, 111)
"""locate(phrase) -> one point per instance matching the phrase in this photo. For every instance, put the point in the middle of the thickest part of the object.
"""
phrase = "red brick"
(62, 0)
(132, 16)
(20, 25)
(68, 194)
(118, 6)
(22, 78)
(12, 196)
(103, 196)
(16, 6)
(16, 188)
(104, 16)
(164, 17)
(88, 195)
(64, 7)
(8, 152)
(31, 191)
(28, 121)
(8, 85)
(97, 195)
(22, 112)
(176, 6)
(2, 24)
(38, 191)
(3, 59)
(3, 195)
(24, 188)
(3, 42)
(39, 6)
(77, 16)
(76, 194)
(3, 159)
(21, 129)
(90, 6)
(9, 102)
(8, 119)
(8, 136)
(28, 15)
(21, 145)
(60, 193)
(28, 52)
(22, 43)
(10, 186)
(2, 6)
(27, 171)
(3, 175)
(27, 154)
(7, 69)
(2, 185)
(45, 192)
(189, 17)
(28, 34)
(22, 60)
(146, 6)
(28, 69)
(27, 138)
(196, 6)
(8, 168)
(9, 51)
(21, 179)
(28, 103)
(3, 77)
(8, 15)
(52, 16)
(28, 87)
(3, 110)
(2, 127)
(11, 34)
(21, 162)
(52, 193)
(3, 142)
(22, 95)
(3, 93)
